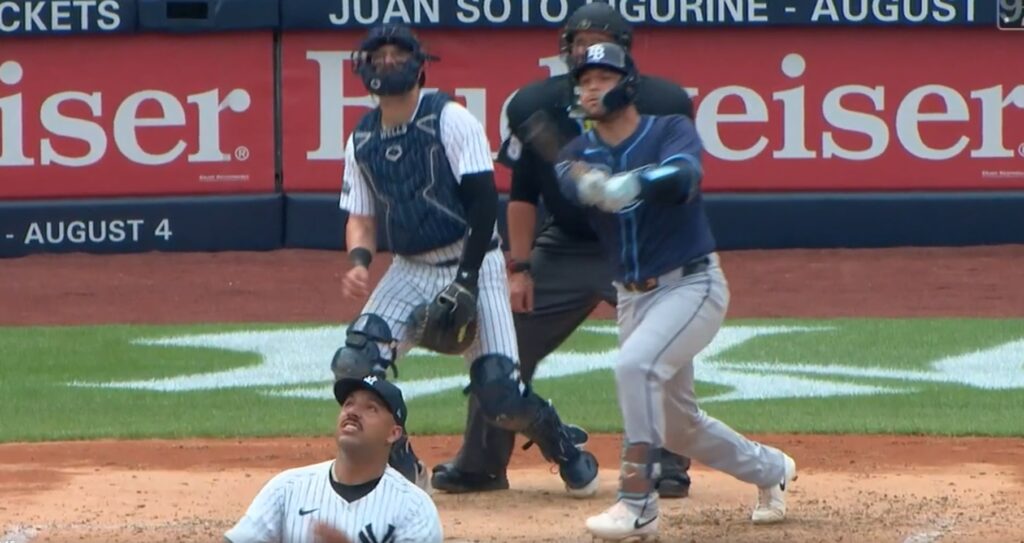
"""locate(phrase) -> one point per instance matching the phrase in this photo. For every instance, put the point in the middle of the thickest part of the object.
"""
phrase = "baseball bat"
(540, 132)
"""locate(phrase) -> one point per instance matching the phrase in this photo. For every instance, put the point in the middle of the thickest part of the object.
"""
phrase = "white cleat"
(618, 523)
(771, 501)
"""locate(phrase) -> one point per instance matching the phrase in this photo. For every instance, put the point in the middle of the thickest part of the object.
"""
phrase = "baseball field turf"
(917, 376)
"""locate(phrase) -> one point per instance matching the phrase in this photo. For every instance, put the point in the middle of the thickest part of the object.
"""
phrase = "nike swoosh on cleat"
(637, 524)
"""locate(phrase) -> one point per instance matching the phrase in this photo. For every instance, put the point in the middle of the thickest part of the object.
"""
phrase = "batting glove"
(619, 191)
(590, 186)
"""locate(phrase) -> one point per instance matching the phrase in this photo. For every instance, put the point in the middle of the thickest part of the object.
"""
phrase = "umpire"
(557, 285)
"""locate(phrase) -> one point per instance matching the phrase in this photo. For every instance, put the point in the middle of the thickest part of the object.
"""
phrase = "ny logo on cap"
(595, 52)
(370, 379)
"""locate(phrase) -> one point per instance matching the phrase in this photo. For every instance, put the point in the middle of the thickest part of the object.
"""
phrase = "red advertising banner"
(778, 109)
(132, 116)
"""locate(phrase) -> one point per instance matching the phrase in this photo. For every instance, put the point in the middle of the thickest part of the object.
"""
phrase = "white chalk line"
(937, 532)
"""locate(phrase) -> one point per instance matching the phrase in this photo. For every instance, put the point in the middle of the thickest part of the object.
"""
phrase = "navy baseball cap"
(390, 394)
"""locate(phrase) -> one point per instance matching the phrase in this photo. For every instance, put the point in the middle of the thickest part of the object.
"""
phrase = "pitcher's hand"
(327, 534)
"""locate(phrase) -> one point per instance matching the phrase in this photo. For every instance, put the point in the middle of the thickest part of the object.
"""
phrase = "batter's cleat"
(771, 500)
(450, 479)
(619, 523)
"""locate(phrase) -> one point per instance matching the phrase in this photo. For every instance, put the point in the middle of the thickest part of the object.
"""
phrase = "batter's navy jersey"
(408, 176)
(533, 177)
(288, 506)
(646, 239)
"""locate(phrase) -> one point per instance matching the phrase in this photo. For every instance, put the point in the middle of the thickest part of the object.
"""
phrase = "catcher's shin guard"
(507, 404)
(405, 461)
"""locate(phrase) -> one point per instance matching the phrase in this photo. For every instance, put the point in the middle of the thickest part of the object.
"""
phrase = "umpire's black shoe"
(450, 479)
(674, 481)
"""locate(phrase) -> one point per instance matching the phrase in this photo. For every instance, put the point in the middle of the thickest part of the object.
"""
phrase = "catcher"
(418, 168)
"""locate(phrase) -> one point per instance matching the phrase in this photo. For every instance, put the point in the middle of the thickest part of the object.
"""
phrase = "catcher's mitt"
(448, 324)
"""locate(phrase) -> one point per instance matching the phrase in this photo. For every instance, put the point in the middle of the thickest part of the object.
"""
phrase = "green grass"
(38, 363)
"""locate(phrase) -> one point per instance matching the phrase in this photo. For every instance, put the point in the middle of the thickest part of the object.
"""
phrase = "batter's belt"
(696, 265)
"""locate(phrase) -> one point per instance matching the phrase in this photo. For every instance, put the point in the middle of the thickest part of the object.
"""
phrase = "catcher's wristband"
(360, 256)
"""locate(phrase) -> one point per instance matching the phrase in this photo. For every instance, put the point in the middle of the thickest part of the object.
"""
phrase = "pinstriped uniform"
(416, 206)
(287, 507)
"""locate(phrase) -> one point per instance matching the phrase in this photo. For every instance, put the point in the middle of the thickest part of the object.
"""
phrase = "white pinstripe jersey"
(412, 280)
(284, 511)
(465, 145)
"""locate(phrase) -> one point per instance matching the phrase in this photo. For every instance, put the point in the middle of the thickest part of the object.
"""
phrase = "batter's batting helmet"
(399, 79)
(614, 57)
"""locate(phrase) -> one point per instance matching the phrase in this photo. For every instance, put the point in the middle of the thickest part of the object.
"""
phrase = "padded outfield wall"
(137, 125)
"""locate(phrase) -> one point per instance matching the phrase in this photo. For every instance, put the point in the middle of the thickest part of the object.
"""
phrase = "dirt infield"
(852, 488)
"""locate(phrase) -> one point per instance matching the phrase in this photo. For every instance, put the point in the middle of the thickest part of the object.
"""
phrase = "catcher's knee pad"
(505, 403)
(362, 354)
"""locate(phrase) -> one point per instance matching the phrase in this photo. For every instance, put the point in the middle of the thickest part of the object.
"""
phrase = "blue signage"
(677, 13)
(20, 17)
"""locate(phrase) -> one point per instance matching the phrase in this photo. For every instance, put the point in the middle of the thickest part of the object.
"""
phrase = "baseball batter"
(419, 170)
(557, 279)
(355, 497)
(639, 178)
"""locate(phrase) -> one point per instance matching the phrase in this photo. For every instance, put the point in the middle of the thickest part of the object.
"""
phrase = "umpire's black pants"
(570, 278)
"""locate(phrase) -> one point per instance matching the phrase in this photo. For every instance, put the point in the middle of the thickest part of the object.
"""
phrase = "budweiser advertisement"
(778, 109)
(150, 115)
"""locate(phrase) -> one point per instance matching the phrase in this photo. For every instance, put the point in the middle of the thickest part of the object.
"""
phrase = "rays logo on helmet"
(595, 52)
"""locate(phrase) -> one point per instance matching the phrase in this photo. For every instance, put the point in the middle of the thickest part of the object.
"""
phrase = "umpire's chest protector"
(417, 201)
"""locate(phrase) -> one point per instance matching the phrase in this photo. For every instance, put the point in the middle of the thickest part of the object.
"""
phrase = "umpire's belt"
(696, 265)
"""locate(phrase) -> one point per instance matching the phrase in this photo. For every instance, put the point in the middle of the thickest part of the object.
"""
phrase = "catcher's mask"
(391, 80)
(444, 326)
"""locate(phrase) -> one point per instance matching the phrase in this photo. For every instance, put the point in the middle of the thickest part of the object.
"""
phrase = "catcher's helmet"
(598, 17)
(396, 80)
(611, 56)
